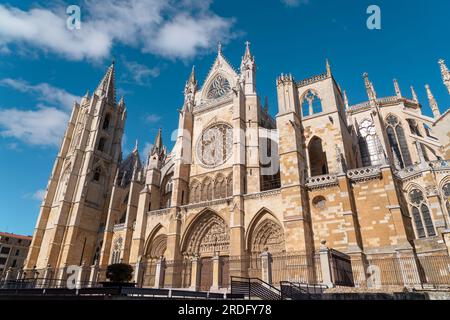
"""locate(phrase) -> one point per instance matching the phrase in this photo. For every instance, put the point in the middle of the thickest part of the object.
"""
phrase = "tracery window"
(311, 104)
(115, 258)
(397, 140)
(219, 87)
(421, 215)
(369, 144)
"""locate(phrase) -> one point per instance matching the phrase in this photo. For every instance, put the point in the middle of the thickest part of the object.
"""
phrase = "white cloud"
(140, 73)
(38, 195)
(42, 127)
(44, 92)
(153, 118)
(168, 28)
(294, 3)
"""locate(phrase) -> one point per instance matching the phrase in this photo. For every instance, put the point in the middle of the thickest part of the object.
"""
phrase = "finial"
(414, 95)
(369, 88)
(398, 93)
(136, 146)
(445, 74)
(433, 103)
(328, 68)
(219, 47)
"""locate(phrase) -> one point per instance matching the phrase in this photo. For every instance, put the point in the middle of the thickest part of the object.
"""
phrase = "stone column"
(195, 274)
(325, 265)
(216, 272)
(138, 269)
(93, 274)
(19, 274)
(446, 236)
(266, 267)
(159, 273)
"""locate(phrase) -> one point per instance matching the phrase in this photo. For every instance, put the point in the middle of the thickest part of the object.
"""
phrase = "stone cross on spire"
(433, 103)
(445, 74)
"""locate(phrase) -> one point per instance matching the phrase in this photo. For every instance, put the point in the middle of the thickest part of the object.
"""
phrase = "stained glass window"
(397, 140)
(311, 104)
(218, 88)
(370, 148)
(421, 215)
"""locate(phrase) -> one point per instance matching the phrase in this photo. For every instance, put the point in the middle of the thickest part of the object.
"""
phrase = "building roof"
(13, 235)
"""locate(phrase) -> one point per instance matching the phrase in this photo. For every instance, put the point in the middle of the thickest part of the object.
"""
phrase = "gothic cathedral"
(241, 190)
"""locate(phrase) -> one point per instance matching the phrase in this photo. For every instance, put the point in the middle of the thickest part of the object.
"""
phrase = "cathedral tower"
(79, 188)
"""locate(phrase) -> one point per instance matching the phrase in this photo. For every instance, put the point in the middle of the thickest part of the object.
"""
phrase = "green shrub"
(119, 272)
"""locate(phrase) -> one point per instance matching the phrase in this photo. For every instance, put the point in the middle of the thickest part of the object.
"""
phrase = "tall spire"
(433, 103)
(157, 147)
(190, 89)
(247, 54)
(398, 93)
(414, 95)
(369, 88)
(136, 146)
(346, 100)
(445, 74)
(106, 86)
(328, 68)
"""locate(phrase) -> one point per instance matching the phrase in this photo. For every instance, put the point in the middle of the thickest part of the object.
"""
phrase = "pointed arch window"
(421, 215)
(97, 174)
(117, 249)
(369, 144)
(106, 122)
(311, 104)
(318, 164)
(397, 140)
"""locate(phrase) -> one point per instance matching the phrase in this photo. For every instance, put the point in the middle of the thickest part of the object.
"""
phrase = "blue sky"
(44, 66)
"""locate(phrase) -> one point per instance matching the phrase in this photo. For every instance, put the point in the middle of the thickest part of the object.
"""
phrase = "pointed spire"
(433, 103)
(328, 68)
(414, 95)
(106, 86)
(219, 48)
(192, 78)
(85, 98)
(346, 100)
(247, 54)
(398, 93)
(369, 88)
(136, 147)
(445, 74)
(158, 145)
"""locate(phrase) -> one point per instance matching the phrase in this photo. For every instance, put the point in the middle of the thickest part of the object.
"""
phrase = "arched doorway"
(207, 242)
(155, 252)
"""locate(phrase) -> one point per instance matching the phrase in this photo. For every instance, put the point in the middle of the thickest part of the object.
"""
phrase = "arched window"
(117, 248)
(166, 191)
(369, 144)
(106, 122)
(397, 140)
(230, 185)
(421, 215)
(317, 158)
(207, 190)
(446, 191)
(101, 144)
(97, 174)
(311, 103)
(220, 188)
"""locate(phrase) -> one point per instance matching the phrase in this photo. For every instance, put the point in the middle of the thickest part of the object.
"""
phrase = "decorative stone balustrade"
(119, 226)
(364, 174)
(321, 181)
(311, 80)
(440, 165)
(159, 212)
(409, 172)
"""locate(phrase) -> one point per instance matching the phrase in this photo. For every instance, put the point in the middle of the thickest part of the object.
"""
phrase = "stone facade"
(367, 180)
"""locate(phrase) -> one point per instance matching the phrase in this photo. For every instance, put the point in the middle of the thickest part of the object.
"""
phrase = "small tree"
(119, 272)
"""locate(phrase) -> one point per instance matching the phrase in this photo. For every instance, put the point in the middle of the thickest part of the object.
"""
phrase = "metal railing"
(254, 287)
(301, 291)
